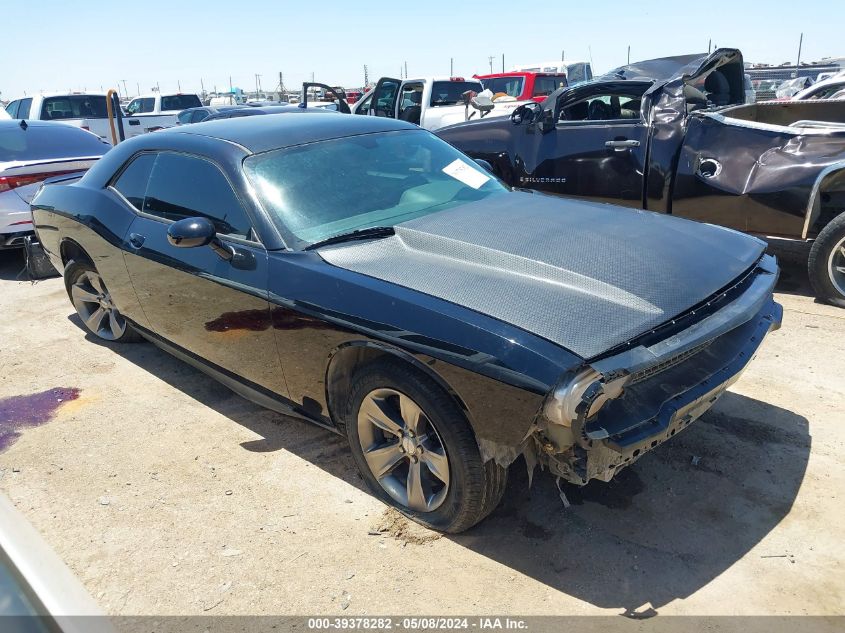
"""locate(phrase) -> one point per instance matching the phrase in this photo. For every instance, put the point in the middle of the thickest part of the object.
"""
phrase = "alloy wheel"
(836, 267)
(403, 450)
(94, 305)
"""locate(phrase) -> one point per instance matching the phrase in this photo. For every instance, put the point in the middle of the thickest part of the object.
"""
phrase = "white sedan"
(31, 152)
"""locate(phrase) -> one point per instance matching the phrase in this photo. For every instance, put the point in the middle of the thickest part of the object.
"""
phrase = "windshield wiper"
(359, 234)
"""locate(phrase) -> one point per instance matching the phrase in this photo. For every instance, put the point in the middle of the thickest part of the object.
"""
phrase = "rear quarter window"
(132, 182)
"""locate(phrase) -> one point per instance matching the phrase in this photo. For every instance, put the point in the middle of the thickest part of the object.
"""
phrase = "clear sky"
(61, 45)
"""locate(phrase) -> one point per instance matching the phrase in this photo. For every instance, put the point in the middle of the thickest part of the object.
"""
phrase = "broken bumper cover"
(656, 389)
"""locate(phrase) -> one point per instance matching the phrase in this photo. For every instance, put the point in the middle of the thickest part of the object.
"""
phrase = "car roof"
(264, 133)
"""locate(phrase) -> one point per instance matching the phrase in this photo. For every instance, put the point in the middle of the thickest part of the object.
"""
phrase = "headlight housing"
(562, 404)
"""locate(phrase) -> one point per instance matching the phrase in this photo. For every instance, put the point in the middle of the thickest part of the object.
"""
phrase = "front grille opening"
(648, 372)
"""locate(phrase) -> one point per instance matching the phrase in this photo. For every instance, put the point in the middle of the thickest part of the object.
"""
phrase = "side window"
(184, 116)
(187, 187)
(141, 105)
(199, 115)
(385, 97)
(602, 107)
(410, 102)
(364, 105)
(12, 109)
(23, 108)
(132, 182)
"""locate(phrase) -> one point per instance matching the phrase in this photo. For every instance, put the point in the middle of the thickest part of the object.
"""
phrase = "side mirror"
(191, 232)
(486, 165)
(547, 121)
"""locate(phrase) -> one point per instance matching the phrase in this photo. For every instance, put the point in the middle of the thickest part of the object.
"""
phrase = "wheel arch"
(346, 358)
(830, 180)
(71, 250)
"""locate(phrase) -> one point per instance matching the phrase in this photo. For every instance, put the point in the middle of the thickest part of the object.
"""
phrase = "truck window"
(446, 93)
(74, 107)
(511, 86)
(23, 108)
(363, 106)
(544, 86)
(602, 107)
(141, 105)
(410, 102)
(180, 102)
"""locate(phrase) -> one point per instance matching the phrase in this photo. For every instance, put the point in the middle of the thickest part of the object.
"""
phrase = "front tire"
(826, 266)
(93, 303)
(416, 450)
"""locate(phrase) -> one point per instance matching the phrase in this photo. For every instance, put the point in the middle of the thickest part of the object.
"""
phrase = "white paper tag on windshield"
(468, 175)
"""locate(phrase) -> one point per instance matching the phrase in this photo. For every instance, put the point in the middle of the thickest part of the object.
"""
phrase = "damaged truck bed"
(674, 136)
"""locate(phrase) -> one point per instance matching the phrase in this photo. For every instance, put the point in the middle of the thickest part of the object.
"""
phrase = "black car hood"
(586, 276)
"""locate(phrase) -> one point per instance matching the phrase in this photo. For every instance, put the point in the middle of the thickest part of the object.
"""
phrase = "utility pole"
(798, 63)
(629, 53)
(490, 59)
(125, 91)
(563, 55)
(257, 85)
(230, 83)
(406, 70)
(138, 88)
(451, 66)
(178, 86)
(709, 45)
(366, 76)
(503, 62)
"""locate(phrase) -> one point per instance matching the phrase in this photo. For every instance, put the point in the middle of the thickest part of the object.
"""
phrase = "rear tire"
(826, 266)
(400, 422)
(91, 299)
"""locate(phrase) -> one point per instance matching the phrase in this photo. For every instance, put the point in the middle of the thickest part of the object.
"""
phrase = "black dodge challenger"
(365, 275)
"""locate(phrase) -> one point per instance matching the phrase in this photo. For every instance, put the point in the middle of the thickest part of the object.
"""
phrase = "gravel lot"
(168, 494)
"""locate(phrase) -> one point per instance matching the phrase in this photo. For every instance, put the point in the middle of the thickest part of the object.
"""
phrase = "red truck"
(523, 85)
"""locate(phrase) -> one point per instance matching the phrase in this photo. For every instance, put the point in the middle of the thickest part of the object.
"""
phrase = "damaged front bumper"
(625, 403)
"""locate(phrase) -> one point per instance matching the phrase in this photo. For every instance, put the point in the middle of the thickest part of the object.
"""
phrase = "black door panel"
(214, 308)
(602, 160)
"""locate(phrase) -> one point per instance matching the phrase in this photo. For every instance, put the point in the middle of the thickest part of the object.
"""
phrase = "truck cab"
(79, 109)
(431, 102)
(155, 111)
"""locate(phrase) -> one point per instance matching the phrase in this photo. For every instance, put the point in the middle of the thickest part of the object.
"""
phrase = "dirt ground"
(168, 494)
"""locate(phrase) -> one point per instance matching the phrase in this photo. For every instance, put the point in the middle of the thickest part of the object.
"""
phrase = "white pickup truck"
(155, 111)
(432, 102)
(80, 109)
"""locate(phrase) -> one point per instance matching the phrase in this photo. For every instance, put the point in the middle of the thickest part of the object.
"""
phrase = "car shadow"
(794, 280)
(12, 265)
(661, 530)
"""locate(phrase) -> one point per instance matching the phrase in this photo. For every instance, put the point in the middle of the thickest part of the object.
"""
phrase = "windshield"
(323, 189)
(511, 86)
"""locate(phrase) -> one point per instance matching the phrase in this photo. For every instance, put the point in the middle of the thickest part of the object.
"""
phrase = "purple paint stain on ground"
(21, 412)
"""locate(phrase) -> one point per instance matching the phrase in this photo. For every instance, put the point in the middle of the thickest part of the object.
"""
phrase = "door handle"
(136, 240)
(622, 145)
